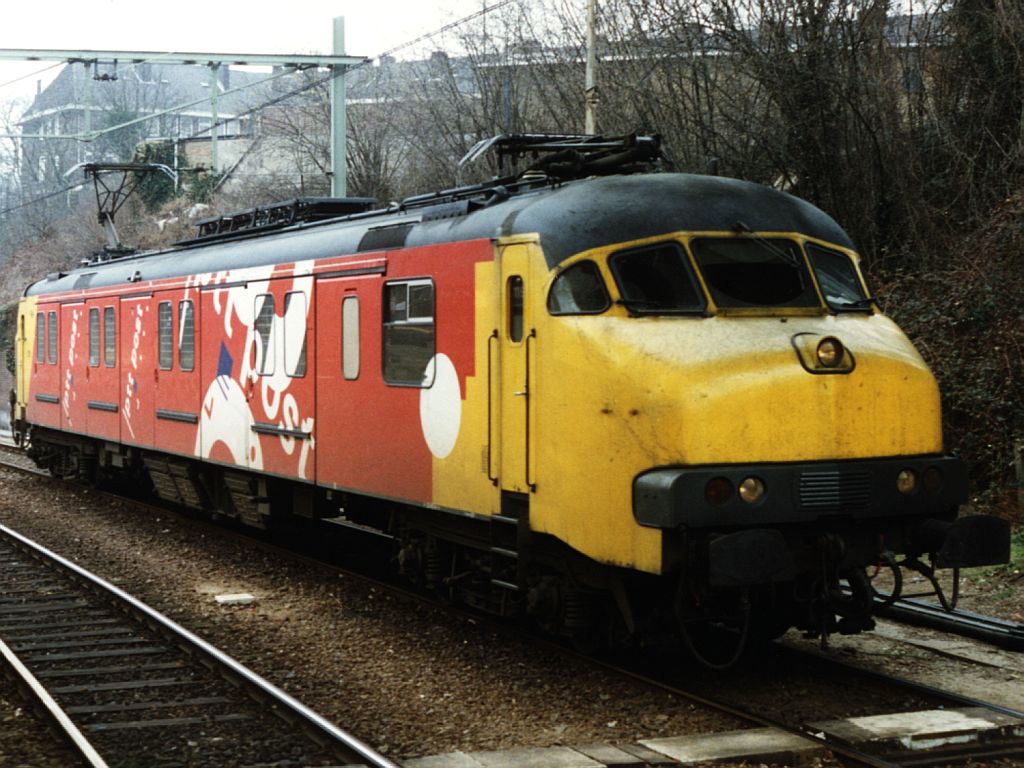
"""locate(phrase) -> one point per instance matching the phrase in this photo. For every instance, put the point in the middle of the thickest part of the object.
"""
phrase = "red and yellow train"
(635, 399)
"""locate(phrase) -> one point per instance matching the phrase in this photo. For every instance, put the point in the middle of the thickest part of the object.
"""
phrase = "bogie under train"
(631, 401)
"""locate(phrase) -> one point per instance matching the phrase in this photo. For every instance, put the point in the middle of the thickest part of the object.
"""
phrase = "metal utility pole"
(590, 86)
(339, 117)
(214, 128)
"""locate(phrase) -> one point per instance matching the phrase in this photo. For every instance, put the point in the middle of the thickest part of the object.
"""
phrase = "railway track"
(127, 686)
(883, 753)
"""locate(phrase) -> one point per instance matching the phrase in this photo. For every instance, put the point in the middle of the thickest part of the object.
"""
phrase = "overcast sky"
(300, 26)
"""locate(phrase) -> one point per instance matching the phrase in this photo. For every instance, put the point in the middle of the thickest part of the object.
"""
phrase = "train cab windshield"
(758, 272)
(747, 272)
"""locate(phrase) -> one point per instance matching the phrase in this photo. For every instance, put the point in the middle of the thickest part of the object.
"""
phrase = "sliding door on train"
(176, 373)
(102, 378)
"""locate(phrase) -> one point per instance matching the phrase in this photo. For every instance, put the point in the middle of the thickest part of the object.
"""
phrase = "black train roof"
(569, 218)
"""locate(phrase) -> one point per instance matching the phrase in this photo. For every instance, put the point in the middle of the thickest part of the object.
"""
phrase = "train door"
(340, 309)
(101, 372)
(176, 373)
(516, 342)
(40, 334)
(74, 367)
(282, 398)
(137, 379)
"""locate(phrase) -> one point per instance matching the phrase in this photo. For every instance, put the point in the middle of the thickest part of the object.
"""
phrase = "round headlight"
(718, 491)
(830, 352)
(933, 479)
(751, 489)
(906, 481)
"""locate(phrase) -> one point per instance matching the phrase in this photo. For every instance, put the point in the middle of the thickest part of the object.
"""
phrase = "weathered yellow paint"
(462, 479)
(617, 396)
(25, 351)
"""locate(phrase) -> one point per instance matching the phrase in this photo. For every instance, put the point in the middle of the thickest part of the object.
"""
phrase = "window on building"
(165, 335)
(264, 334)
(94, 337)
(295, 334)
(109, 337)
(350, 337)
(408, 332)
(186, 336)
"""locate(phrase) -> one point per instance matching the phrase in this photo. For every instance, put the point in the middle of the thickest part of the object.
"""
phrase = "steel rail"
(322, 729)
(52, 709)
(1002, 633)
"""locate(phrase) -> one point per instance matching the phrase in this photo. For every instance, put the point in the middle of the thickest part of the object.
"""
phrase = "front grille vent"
(835, 491)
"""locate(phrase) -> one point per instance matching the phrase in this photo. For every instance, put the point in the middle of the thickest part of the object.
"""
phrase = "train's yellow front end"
(742, 396)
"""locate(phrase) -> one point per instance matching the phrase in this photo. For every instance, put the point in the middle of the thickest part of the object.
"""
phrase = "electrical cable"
(265, 104)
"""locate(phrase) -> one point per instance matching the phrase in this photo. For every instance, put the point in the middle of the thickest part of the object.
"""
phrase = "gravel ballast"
(408, 679)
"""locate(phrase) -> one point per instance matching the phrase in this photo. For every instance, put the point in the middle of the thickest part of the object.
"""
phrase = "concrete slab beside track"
(905, 730)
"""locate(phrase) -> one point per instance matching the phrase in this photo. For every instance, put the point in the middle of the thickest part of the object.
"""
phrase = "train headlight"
(751, 489)
(718, 491)
(830, 352)
(933, 479)
(906, 481)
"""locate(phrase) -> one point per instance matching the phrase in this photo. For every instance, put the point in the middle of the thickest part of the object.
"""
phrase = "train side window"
(579, 290)
(515, 308)
(94, 337)
(51, 331)
(40, 338)
(165, 335)
(295, 334)
(264, 334)
(656, 279)
(838, 280)
(408, 333)
(109, 337)
(350, 337)
(186, 336)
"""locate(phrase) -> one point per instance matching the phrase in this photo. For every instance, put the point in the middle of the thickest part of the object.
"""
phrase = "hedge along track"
(127, 686)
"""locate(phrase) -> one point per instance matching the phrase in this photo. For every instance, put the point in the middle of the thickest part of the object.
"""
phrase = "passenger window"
(109, 337)
(264, 334)
(754, 272)
(350, 337)
(165, 335)
(295, 334)
(579, 290)
(186, 336)
(51, 331)
(40, 338)
(408, 332)
(94, 337)
(656, 279)
(838, 279)
(515, 308)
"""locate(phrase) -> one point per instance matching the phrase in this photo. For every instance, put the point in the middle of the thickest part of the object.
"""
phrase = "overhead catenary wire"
(262, 105)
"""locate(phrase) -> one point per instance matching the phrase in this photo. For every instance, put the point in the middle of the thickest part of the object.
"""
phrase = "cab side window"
(838, 279)
(579, 290)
